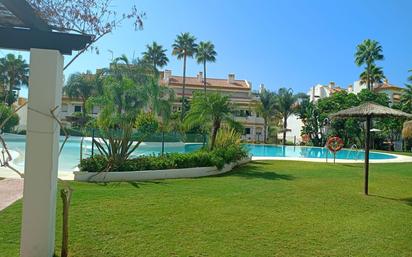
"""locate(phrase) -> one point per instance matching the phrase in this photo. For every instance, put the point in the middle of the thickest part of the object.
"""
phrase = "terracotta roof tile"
(211, 82)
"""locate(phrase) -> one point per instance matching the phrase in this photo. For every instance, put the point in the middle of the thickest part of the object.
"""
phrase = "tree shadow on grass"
(136, 184)
(253, 172)
(407, 201)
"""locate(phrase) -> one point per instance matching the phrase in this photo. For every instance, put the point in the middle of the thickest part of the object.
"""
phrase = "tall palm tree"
(375, 75)
(210, 110)
(155, 55)
(267, 108)
(14, 73)
(367, 53)
(286, 103)
(205, 53)
(184, 47)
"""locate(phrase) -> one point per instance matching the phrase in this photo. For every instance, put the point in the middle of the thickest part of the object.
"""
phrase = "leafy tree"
(287, 103)
(375, 75)
(267, 108)
(155, 55)
(184, 47)
(6, 112)
(309, 114)
(205, 53)
(88, 17)
(14, 73)
(370, 96)
(367, 53)
(210, 110)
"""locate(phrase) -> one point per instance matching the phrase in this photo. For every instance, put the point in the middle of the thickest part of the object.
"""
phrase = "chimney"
(331, 84)
(167, 75)
(200, 76)
(262, 88)
(231, 78)
(350, 89)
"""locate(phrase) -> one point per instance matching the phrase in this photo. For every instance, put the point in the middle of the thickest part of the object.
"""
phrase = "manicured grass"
(278, 208)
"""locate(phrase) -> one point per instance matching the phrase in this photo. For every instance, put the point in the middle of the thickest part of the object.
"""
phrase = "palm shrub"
(122, 122)
(210, 110)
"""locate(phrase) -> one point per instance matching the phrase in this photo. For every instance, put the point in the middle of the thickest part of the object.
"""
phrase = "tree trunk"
(163, 142)
(65, 194)
(368, 76)
(215, 128)
(183, 89)
(285, 125)
(265, 124)
(204, 75)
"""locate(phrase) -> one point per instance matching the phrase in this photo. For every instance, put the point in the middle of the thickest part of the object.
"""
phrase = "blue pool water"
(70, 156)
(311, 152)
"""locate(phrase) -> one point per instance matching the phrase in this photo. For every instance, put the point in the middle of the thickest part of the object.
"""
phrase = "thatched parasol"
(407, 130)
(369, 110)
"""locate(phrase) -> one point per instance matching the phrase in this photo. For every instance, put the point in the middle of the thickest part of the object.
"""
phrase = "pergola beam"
(22, 10)
(25, 39)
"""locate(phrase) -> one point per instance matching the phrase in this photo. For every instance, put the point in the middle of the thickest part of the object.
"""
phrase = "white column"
(41, 160)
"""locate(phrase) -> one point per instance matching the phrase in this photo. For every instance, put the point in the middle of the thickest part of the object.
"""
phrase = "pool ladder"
(353, 148)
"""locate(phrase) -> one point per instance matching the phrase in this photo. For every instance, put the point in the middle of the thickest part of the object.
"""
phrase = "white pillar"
(41, 160)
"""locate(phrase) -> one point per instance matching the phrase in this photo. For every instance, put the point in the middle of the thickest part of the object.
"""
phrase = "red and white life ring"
(335, 144)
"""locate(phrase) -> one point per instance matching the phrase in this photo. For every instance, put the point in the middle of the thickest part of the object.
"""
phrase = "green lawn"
(278, 208)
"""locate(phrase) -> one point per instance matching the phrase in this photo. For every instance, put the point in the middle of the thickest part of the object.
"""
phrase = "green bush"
(200, 158)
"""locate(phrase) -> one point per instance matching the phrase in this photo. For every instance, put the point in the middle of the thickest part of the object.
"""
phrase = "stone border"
(155, 174)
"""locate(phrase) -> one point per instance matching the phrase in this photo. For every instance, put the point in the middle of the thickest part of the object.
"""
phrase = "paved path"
(11, 190)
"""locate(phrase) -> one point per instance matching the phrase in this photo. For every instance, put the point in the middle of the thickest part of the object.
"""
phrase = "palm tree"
(367, 53)
(210, 110)
(14, 72)
(286, 103)
(159, 101)
(183, 47)
(375, 75)
(155, 55)
(83, 86)
(267, 108)
(205, 53)
(406, 98)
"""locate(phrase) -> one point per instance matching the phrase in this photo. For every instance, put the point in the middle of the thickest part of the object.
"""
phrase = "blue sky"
(290, 43)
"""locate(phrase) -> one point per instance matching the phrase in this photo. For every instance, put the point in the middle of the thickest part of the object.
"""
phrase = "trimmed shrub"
(201, 158)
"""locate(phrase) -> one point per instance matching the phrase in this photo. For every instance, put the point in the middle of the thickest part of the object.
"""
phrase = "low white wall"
(154, 174)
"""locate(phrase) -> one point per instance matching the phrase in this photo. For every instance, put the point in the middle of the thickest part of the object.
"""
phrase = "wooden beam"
(23, 10)
(25, 39)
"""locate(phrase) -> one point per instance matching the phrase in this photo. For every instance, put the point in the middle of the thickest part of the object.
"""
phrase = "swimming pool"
(312, 152)
(70, 156)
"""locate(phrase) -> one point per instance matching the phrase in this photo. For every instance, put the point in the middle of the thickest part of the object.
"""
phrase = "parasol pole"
(367, 140)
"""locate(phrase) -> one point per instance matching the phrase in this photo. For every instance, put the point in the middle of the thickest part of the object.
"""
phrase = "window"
(77, 108)
(247, 131)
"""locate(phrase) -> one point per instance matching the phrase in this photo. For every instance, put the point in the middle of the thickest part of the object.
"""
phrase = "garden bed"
(144, 175)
